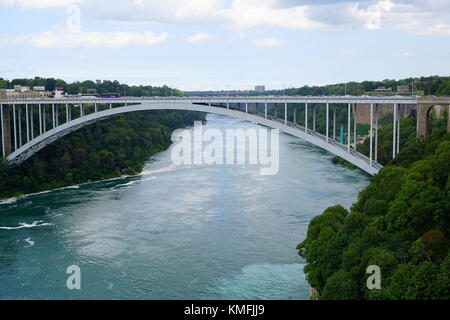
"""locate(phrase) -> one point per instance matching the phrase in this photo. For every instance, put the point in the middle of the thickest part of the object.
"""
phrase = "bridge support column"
(285, 113)
(371, 133)
(246, 107)
(398, 130)
(295, 114)
(53, 115)
(314, 118)
(265, 110)
(327, 120)
(32, 122)
(306, 117)
(44, 120)
(354, 126)
(110, 105)
(40, 119)
(394, 133)
(376, 132)
(6, 130)
(334, 123)
(15, 127)
(19, 114)
(95, 107)
(67, 112)
(448, 118)
(349, 130)
(57, 115)
(28, 123)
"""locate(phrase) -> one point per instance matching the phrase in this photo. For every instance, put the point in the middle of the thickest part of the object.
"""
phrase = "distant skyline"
(224, 44)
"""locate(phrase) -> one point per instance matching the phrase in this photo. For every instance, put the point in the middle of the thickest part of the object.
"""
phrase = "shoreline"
(77, 186)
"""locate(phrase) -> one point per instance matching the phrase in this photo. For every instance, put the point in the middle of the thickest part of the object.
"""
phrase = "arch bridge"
(28, 125)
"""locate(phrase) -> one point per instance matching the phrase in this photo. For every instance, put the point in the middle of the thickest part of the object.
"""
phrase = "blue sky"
(224, 44)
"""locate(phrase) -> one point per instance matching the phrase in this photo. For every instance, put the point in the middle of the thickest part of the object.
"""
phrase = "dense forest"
(401, 223)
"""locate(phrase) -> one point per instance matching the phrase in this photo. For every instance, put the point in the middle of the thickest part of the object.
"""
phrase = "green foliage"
(103, 150)
(339, 160)
(401, 222)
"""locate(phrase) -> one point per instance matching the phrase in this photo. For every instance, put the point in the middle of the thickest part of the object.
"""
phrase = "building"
(260, 88)
(403, 90)
(383, 89)
(59, 92)
(20, 92)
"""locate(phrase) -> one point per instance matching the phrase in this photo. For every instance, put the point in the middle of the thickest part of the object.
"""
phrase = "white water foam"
(27, 225)
(8, 201)
(30, 242)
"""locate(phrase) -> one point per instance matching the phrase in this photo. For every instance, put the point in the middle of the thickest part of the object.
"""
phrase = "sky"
(224, 44)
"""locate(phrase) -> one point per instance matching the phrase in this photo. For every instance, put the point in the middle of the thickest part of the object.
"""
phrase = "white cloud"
(39, 4)
(254, 13)
(441, 29)
(70, 39)
(268, 42)
(199, 37)
(419, 17)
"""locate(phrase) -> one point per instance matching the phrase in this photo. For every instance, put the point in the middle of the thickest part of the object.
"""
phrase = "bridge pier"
(423, 111)
(424, 106)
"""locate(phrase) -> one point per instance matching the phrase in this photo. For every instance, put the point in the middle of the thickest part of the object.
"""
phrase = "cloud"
(418, 17)
(268, 42)
(39, 4)
(252, 13)
(198, 38)
(70, 39)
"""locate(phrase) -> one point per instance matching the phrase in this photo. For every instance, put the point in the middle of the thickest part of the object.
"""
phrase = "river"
(175, 232)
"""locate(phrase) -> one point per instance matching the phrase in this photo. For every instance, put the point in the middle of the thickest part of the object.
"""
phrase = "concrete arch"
(33, 146)
(423, 124)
